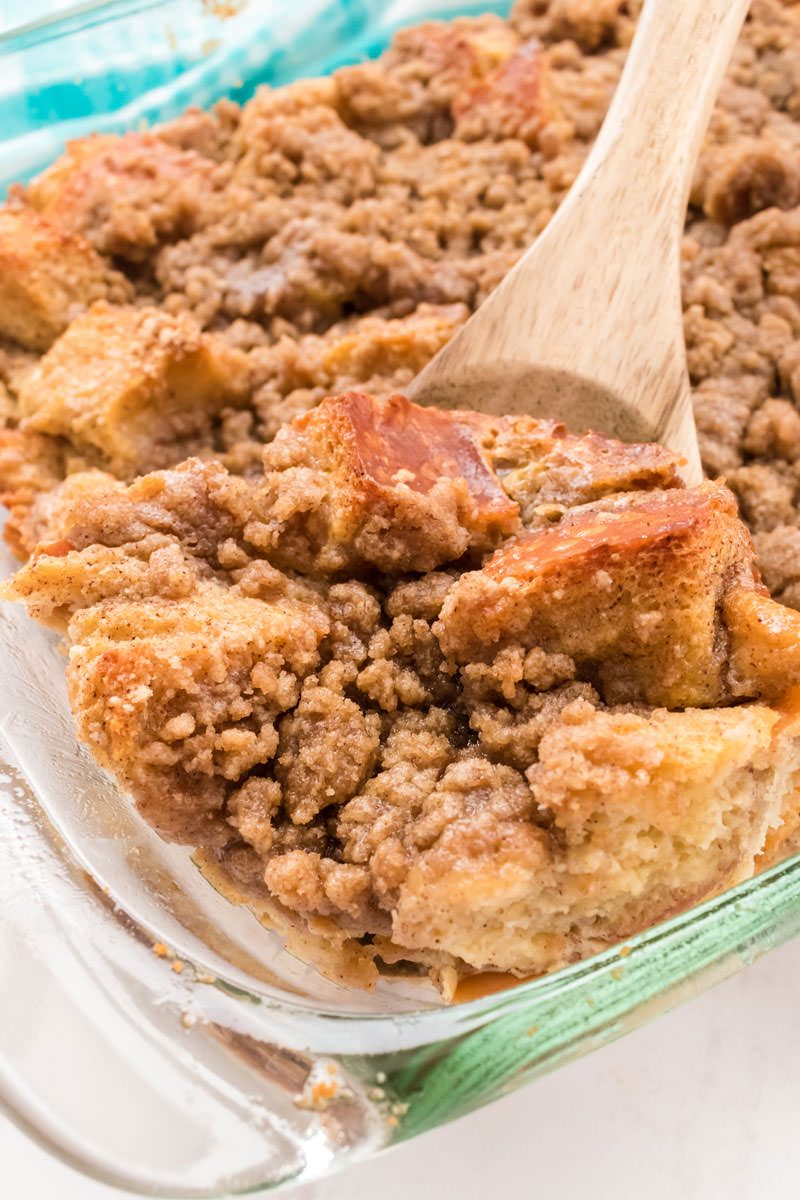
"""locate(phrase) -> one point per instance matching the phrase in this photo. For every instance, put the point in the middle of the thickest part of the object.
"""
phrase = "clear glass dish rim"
(72, 18)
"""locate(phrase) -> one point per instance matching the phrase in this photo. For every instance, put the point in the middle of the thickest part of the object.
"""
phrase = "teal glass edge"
(114, 67)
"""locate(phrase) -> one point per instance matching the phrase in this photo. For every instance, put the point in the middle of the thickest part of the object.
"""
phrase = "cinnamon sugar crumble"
(432, 691)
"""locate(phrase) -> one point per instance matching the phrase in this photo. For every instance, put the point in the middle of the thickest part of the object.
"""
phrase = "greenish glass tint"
(543, 1024)
(211, 1062)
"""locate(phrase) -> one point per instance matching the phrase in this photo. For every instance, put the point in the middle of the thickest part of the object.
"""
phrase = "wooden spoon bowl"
(588, 326)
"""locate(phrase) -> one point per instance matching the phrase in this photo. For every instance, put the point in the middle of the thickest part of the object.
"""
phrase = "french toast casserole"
(432, 692)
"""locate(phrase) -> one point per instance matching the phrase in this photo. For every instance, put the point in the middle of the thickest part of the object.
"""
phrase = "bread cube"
(181, 696)
(630, 589)
(546, 469)
(48, 277)
(125, 194)
(134, 389)
(360, 482)
(654, 812)
(764, 646)
(511, 102)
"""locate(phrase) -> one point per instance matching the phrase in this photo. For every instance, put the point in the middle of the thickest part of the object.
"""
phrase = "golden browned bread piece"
(31, 467)
(180, 696)
(362, 483)
(631, 590)
(388, 484)
(132, 389)
(475, 734)
(764, 642)
(99, 539)
(376, 348)
(651, 813)
(511, 102)
(125, 194)
(547, 470)
(428, 69)
(47, 277)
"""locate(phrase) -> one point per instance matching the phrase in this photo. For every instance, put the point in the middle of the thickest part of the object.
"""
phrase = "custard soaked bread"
(414, 711)
(421, 687)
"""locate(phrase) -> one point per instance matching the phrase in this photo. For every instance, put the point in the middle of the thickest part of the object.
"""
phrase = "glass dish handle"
(107, 1060)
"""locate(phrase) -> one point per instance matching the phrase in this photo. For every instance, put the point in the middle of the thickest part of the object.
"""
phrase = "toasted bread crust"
(630, 591)
(125, 194)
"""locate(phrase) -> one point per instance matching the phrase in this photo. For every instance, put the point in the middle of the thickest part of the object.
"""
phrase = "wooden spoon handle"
(660, 111)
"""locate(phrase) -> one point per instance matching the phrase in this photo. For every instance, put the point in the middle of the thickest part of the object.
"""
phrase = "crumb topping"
(429, 690)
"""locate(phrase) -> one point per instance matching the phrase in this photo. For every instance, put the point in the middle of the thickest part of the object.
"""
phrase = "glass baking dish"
(154, 1035)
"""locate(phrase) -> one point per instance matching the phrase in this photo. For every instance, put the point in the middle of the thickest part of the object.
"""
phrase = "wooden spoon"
(587, 327)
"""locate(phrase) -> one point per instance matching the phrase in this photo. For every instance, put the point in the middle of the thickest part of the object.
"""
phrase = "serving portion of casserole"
(431, 691)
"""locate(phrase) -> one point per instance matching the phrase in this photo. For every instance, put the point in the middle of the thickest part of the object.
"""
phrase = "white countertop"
(702, 1104)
